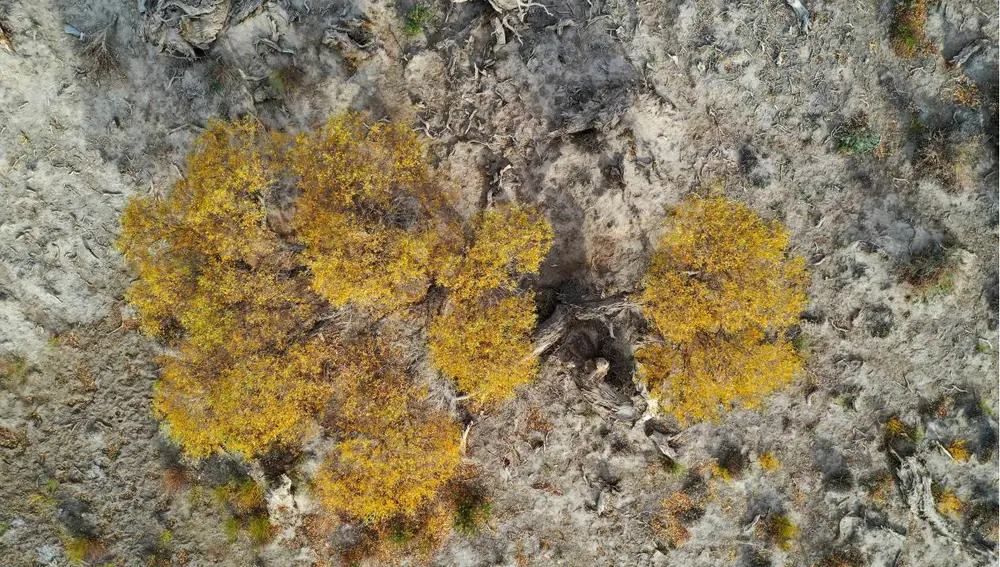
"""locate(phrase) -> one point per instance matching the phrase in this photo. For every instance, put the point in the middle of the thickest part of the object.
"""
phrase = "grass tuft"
(419, 16)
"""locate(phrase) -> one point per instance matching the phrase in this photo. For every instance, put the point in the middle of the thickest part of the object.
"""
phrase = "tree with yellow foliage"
(244, 297)
(482, 338)
(720, 290)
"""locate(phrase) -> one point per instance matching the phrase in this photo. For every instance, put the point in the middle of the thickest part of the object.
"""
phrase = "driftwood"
(801, 12)
(183, 27)
(661, 432)
(915, 483)
(602, 396)
(566, 315)
(572, 338)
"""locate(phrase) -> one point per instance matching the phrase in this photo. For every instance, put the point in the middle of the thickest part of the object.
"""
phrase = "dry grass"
(966, 93)
(174, 481)
(669, 523)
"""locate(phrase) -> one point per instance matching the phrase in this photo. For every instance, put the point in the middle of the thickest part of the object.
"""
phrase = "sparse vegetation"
(13, 370)
(241, 496)
(958, 451)
(907, 35)
(80, 549)
(102, 62)
(779, 529)
(768, 461)
(928, 266)
(472, 511)
(966, 93)
(259, 529)
(720, 289)
(896, 428)
(949, 504)
(669, 524)
(880, 487)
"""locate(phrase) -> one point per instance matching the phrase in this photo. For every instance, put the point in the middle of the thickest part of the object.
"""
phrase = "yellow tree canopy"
(378, 475)
(720, 289)
(367, 213)
(242, 297)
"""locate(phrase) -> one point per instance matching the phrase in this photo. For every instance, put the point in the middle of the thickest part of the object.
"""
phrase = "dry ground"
(603, 113)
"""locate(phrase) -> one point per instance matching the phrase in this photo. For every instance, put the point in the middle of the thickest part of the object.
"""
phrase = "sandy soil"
(604, 113)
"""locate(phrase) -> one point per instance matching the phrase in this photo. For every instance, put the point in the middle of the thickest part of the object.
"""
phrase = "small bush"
(174, 480)
(80, 549)
(259, 529)
(896, 428)
(13, 370)
(927, 266)
(669, 524)
(958, 451)
(880, 487)
(966, 93)
(231, 527)
(779, 529)
(242, 496)
(472, 511)
(768, 461)
(949, 504)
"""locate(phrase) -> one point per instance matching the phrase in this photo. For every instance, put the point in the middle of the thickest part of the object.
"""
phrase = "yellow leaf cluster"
(507, 241)
(958, 450)
(245, 406)
(375, 477)
(720, 289)
(394, 453)
(366, 212)
(213, 215)
(482, 339)
(949, 504)
(768, 461)
(486, 347)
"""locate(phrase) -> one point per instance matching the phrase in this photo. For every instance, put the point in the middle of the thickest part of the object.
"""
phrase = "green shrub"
(858, 137)
(418, 16)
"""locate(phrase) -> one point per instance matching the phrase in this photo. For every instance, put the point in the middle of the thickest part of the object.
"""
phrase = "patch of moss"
(471, 512)
(259, 529)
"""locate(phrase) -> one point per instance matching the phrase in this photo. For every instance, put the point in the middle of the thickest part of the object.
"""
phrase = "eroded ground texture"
(604, 113)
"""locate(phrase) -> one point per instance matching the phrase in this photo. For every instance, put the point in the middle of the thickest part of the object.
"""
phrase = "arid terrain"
(603, 114)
